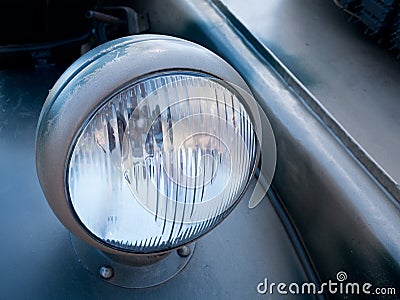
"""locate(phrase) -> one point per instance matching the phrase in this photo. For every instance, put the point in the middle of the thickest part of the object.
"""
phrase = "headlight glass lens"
(161, 162)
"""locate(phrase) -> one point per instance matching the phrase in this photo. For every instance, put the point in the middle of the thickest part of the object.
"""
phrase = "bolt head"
(184, 251)
(106, 272)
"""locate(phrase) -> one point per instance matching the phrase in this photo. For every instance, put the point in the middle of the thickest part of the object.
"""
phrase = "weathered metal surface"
(355, 79)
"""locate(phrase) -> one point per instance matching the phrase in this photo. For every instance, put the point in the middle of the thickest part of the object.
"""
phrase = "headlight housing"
(145, 144)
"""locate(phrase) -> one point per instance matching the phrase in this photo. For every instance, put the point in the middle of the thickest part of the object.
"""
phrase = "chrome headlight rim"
(55, 137)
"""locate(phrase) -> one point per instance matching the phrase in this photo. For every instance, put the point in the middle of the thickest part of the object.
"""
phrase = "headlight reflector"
(162, 162)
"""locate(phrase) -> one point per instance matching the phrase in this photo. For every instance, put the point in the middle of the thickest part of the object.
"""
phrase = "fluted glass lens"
(162, 162)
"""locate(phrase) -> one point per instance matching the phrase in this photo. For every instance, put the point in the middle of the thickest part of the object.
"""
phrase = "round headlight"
(146, 143)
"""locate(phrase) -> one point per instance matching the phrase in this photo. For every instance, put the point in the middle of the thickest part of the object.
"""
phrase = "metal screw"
(106, 272)
(184, 251)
